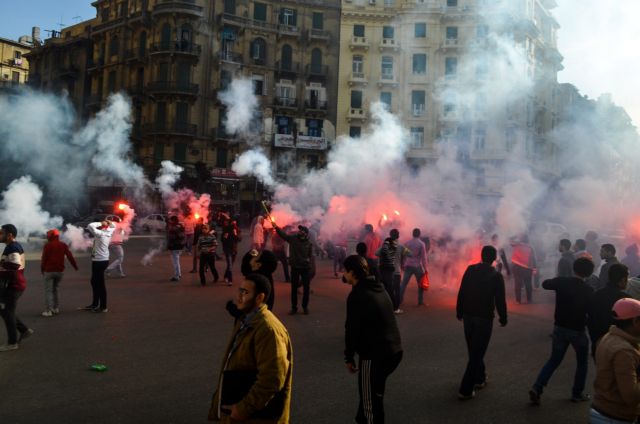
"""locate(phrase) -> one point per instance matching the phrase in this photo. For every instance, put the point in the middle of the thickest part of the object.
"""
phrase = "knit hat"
(626, 309)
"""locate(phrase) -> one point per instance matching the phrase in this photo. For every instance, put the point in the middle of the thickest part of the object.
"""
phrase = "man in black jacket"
(481, 292)
(601, 304)
(565, 264)
(301, 260)
(371, 331)
(572, 303)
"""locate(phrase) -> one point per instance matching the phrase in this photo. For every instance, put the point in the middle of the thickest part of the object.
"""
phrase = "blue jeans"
(410, 271)
(562, 338)
(175, 258)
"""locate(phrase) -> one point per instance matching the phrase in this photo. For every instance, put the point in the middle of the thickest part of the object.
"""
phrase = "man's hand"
(235, 413)
(351, 367)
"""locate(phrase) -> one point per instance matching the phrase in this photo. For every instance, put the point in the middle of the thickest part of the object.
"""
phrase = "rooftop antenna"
(77, 18)
(60, 24)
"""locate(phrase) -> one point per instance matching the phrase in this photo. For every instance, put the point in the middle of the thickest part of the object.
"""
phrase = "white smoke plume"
(76, 238)
(21, 206)
(147, 259)
(255, 163)
(181, 202)
(168, 176)
(242, 106)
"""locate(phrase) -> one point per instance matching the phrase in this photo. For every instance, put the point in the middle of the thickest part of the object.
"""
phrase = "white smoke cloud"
(168, 176)
(242, 105)
(257, 164)
(76, 238)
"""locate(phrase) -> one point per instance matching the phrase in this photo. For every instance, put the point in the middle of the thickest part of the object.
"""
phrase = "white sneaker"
(6, 348)
(47, 314)
(398, 311)
(56, 311)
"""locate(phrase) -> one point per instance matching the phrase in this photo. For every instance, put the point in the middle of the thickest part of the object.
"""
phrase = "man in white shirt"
(102, 233)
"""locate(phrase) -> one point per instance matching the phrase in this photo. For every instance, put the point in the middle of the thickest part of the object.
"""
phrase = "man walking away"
(52, 268)
(601, 304)
(572, 303)
(207, 245)
(524, 265)
(230, 239)
(12, 264)
(197, 232)
(175, 244)
(415, 265)
(632, 260)
(373, 242)
(481, 292)
(116, 250)
(257, 370)
(102, 233)
(387, 262)
(301, 251)
(565, 264)
(616, 389)
(279, 247)
(371, 332)
(608, 255)
(361, 250)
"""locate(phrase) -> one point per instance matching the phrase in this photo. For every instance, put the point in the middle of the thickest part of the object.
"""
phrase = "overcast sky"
(599, 42)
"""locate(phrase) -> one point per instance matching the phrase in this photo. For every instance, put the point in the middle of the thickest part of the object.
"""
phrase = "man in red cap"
(52, 268)
(616, 389)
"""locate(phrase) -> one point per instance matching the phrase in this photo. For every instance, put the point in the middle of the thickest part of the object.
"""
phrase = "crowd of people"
(597, 311)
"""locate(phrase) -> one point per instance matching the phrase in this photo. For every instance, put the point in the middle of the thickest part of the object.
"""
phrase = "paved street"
(163, 344)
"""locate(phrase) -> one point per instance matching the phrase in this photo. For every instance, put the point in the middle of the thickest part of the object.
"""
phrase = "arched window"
(142, 44)
(259, 51)
(316, 61)
(114, 46)
(186, 34)
(165, 37)
(286, 57)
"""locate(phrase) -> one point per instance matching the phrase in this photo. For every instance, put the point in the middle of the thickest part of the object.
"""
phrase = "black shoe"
(480, 386)
(99, 310)
(306, 311)
(26, 334)
(466, 397)
(87, 308)
(580, 398)
(534, 396)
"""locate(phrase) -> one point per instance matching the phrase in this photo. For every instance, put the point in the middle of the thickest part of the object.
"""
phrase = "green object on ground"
(98, 367)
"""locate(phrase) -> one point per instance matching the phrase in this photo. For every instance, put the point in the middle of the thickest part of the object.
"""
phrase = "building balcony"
(359, 43)
(356, 114)
(229, 19)
(135, 55)
(388, 80)
(176, 48)
(358, 78)
(173, 88)
(181, 129)
(220, 134)
(108, 25)
(316, 70)
(288, 68)
(316, 105)
(288, 31)
(94, 64)
(67, 72)
(450, 44)
(422, 153)
(319, 35)
(285, 102)
(187, 8)
(389, 44)
(230, 57)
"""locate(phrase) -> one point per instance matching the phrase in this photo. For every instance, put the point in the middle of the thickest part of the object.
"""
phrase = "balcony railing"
(288, 30)
(290, 102)
(95, 63)
(389, 43)
(136, 55)
(179, 47)
(183, 7)
(177, 128)
(315, 70)
(356, 114)
(68, 71)
(230, 57)
(359, 42)
(316, 104)
(357, 78)
(319, 34)
(173, 87)
(108, 25)
(288, 67)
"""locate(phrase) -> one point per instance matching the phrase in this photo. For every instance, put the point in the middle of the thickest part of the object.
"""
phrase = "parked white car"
(153, 223)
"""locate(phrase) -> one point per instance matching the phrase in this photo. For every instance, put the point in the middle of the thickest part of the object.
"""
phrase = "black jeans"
(97, 284)
(300, 275)
(207, 260)
(477, 333)
(386, 274)
(281, 256)
(396, 291)
(522, 277)
(371, 384)
(230, 258)
(11, 321)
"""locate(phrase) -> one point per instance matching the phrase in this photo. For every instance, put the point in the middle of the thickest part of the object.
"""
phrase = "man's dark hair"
(10, 229)
(173, 219)
(261, 283)
(368, 228)
(489, 254)
(622, 324)
(358, 265)
(616, 273)
(566, 244)
(580, 244)
(416, 232)
(609, 248)
(361, 249)
(583, 267)
(394, 234)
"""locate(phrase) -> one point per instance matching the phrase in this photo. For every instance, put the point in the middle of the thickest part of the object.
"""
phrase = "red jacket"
(53, 256)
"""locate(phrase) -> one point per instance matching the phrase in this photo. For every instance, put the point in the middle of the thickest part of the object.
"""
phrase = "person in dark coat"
(371, 332)
(302, 264)
(481, 293)
(565, 264)
(608, 255)
(263, 263)
(632, 260)
(601, 304)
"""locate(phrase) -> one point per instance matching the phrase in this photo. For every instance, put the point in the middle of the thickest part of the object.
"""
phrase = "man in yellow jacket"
(254, 386)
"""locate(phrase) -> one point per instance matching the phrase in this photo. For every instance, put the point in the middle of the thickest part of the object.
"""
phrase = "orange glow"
(384, 217)
(197, 216)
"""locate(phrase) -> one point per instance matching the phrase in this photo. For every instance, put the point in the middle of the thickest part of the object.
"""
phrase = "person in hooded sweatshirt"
(301, 259)
(52, 268)
(481, 293)
(371, 332)
(600, 318)
(632, 260)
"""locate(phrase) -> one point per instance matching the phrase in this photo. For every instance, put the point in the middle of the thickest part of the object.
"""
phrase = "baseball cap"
(626, 309)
